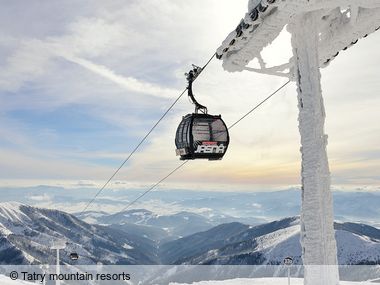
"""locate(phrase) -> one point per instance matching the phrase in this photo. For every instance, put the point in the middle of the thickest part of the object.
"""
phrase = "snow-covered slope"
(7, 281)
(270, 244)
(27, 233)
(263, 281)
(91, 217)
(239, 281)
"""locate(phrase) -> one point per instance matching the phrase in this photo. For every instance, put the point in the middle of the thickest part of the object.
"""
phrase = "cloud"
(41, 198)
(34, 58)
(129, 83)
(23, 165)
(123, 64)
(29, 62)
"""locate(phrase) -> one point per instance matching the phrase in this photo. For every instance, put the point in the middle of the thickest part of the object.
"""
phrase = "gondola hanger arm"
(191, 76)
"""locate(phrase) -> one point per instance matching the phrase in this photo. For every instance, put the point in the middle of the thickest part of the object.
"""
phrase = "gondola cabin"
(74, 256)
(201, 136)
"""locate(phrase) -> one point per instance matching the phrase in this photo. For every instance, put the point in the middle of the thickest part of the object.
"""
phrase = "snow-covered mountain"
(27, 233)
(245, 207)
(179, 224)
(269, 244)
(160, 227)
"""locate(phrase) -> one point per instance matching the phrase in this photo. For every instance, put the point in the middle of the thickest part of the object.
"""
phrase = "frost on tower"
(320, 30)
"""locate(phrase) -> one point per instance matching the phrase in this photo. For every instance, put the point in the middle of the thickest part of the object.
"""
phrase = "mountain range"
(162, 227)
(258, 207)
(143, 237)
(28, 233)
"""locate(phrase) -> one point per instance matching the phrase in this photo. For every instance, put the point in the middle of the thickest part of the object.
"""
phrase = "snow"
(91, 217)
(28, 257)
(352, 248)
(252, 4)
(277, 237)
(138, 214)
(357, 248)
(264, 281)
(314, 31)
(21, 222)
(317, 232)
(262, 33)
(281, 244)
(275, 246)
(7, 281)
(338, 30)
(90, 220)
(341, 31)
(11, 211)
(127, 246)
(4, 231)
(239, 281)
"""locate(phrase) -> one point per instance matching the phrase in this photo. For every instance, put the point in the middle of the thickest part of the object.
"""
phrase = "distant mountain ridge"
(361, 205)
(162, 227)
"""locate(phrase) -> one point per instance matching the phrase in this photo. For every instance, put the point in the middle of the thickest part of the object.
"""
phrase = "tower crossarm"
(341, 31)
(331, 4)
(342, 23)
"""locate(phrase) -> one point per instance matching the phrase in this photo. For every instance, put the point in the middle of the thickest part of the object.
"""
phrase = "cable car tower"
(320, 30)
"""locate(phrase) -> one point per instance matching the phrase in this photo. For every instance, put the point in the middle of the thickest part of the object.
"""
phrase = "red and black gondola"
(74, 256)
(201, 135)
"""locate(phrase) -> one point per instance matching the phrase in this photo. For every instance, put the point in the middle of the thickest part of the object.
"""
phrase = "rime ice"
(320, 30)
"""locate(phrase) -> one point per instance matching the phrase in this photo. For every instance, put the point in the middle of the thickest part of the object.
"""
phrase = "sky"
(82, 82)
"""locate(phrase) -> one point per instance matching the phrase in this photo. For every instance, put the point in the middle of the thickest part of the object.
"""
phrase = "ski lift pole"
(57, 268)
(288, 261)
(318, 246)
(44, 268)
(58, 245)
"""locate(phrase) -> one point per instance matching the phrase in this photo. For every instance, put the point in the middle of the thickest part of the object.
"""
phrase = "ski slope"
(264, 281)
(7, 281)
(240, 281)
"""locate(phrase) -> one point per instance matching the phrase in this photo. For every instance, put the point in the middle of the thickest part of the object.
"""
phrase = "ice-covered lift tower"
(320, 30)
